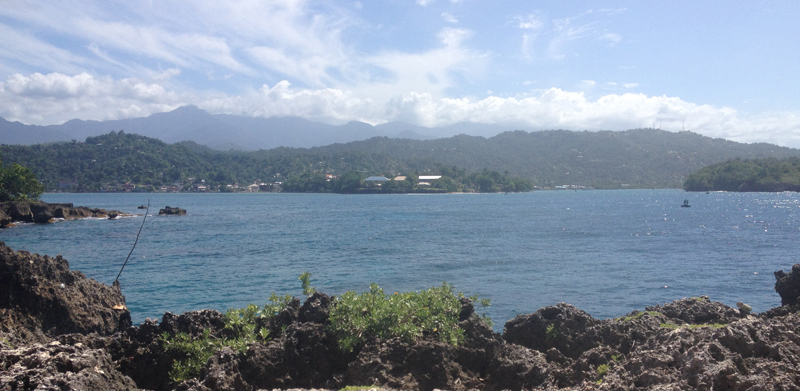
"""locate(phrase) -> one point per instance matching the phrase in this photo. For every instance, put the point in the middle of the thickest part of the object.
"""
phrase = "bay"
(606, 252)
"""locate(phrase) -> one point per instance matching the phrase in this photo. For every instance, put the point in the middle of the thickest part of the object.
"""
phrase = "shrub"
(240, 331)
(305, 279)
(409, 316)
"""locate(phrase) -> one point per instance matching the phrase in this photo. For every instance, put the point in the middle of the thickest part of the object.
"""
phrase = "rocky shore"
(62, 331)
(42, 212)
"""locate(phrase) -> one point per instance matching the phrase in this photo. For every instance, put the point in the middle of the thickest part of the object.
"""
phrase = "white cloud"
(449, 18)
(528, 22)
(55, 98)
(611, 38)
(630, 85)
(424, 3)
(24, 48)
(431, 71)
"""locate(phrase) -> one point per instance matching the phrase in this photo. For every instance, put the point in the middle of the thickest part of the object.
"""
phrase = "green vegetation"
(769, 174)
(305, 280)
(511, 161)
(240, 330)
(639, 316)
(18, 183)
(409, 316)
(551, 332)
(359, 388)
(355, 318)
(127, 162)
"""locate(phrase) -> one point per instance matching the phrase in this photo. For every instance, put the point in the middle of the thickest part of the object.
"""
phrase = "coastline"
(14, 212)
(60, 328)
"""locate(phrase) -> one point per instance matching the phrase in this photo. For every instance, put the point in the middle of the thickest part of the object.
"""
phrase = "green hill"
(641, 158)
(768, 174)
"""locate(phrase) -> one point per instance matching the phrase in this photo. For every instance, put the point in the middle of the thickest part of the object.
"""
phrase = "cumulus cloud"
(55, 98)
(449, 18)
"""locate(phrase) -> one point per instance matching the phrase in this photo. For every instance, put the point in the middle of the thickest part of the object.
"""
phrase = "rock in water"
(168, 210)
(36, 308)
(788, 285)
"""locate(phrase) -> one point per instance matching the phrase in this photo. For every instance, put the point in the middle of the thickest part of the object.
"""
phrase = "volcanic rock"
(60, 367)
(41, 298)
(168, 210)
(788, 285)
(698, 310)
(42, 212)
(562, 327)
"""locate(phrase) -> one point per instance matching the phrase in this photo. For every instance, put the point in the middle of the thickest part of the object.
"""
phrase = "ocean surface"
(606, 252)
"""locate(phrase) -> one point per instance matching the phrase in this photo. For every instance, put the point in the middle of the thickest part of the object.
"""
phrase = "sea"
(607, 252)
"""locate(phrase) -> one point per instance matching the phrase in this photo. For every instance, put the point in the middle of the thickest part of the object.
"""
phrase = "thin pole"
(134, 243)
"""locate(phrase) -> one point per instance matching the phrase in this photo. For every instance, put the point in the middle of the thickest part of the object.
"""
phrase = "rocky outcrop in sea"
(62, 331)
(42, 212)
(169, 210)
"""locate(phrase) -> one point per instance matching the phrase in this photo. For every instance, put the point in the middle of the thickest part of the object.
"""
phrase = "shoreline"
(60, 316)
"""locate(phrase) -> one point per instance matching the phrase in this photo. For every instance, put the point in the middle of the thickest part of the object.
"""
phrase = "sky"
(725, 69)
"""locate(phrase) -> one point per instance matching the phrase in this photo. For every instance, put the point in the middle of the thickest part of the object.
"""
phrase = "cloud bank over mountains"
(427, 63)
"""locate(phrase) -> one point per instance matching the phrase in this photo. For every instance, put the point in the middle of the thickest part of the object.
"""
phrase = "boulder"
(168, 210)
(41, 298)
(5, 220)
(563, 327)
(19, 211)
(60, 367)
(42, 212)
(788, 285)
(698, 310)
(315, 309)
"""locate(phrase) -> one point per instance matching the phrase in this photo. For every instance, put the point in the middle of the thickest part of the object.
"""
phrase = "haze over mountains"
(225, 132)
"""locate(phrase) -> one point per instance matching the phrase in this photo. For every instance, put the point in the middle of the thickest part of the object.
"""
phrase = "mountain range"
(233, 132)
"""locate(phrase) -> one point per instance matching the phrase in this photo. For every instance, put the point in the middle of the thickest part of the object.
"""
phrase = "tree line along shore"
(511, 161)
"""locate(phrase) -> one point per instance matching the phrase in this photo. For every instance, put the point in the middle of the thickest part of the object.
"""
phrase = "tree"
(18, 183)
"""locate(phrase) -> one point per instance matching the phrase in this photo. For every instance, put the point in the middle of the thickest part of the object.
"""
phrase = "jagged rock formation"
(168, 210)
(41, 212)
(689, 344)
(41, 298)
(788, 285)
(55, 366)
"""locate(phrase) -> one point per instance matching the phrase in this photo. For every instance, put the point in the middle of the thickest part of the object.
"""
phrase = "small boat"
(686, 204)
(142, 206)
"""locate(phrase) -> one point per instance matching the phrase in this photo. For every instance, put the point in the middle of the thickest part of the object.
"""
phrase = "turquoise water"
(606, 252)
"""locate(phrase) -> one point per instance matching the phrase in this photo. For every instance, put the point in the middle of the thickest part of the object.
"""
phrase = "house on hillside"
(375, 180)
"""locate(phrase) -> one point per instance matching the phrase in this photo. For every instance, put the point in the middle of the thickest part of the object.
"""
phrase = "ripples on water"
(606, 252)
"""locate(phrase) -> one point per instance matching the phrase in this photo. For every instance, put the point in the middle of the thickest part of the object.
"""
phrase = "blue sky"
(723, 68)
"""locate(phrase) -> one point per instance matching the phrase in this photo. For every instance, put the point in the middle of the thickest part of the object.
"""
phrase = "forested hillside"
(768, 174)
(102, 162)
(642, 158)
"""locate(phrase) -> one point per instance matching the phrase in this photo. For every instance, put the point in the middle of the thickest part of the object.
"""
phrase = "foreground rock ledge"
(692, 343)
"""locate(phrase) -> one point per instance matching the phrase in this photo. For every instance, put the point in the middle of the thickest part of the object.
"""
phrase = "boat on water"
(686, 204)
(142, 207)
